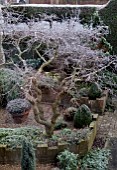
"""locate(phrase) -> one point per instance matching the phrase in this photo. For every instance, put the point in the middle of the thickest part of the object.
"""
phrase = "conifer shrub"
(95, 91)
(28, 161)
(82, 117)
(68, 160)
(18, 106)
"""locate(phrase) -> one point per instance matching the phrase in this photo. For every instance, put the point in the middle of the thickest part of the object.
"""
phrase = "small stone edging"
(45, 154)
(96, 106)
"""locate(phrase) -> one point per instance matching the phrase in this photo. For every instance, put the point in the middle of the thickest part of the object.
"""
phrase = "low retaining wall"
(46, 154)
(96, 106)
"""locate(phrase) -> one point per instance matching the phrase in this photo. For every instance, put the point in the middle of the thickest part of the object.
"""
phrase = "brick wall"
(68, 1)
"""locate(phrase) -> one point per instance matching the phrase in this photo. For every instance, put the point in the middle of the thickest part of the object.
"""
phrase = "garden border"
(46, 154)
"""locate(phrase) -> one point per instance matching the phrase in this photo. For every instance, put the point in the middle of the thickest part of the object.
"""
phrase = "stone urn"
(19, 110)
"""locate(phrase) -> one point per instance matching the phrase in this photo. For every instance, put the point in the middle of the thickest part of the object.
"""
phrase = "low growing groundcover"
(13, 137)
(95, 160)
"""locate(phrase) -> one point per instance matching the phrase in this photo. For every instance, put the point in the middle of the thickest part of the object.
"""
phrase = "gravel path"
(107, 128)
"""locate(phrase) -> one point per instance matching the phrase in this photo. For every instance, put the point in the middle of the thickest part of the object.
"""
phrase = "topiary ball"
(18, 106)
(82, 117)
(95, 91)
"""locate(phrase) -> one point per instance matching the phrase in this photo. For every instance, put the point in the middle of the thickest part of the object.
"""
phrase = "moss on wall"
(109, 16)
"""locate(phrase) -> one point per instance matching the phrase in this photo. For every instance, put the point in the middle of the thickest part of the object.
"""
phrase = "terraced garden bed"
(79, 141)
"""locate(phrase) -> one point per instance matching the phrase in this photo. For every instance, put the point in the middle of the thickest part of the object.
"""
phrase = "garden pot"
(20, 118)
(19, 109)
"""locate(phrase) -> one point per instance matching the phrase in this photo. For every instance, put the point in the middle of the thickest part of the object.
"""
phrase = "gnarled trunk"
(38, 111)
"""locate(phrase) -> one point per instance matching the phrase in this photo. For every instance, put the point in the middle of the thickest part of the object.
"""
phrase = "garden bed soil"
(6, 120)
(85, 142)
(100, 133)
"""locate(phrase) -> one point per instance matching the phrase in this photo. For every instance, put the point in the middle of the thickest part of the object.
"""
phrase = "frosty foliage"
(77, 46)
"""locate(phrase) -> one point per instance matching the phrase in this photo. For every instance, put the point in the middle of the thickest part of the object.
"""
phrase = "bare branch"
(36, 49)
(99, 70)
(47, 63)
(5, 64)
